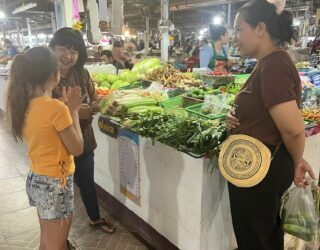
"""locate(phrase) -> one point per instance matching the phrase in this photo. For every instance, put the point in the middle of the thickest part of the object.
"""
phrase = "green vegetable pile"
(199, 93)
(124, 103)
(235, 87)
(193, 135)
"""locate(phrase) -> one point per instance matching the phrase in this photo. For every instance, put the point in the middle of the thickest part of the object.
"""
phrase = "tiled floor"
(19, 227)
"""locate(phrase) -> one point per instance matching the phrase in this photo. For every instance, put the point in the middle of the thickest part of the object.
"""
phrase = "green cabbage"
(143, 66)
(132, 77)
(119, 84)
(113, 78)
(99, 78)
(105, 84)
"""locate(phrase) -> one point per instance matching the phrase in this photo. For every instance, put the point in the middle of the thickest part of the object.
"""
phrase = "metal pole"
(18, 35)
(165, 32)
(229, 15)
(147, 37)
(53, 22)
(29, 32)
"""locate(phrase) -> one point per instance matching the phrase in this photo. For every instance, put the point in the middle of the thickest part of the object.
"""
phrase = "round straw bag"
(244, 161)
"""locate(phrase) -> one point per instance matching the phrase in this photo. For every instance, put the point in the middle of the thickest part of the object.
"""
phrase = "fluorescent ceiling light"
(217, 20)
(24, 8)
(203, 31)
(2, 15)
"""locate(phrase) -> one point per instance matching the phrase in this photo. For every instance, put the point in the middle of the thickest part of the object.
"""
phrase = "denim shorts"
(52, 201)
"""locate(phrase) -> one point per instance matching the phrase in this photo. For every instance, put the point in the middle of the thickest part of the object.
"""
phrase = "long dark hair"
(217, 31)
(279, 26)
(28, 71)
(72, 39)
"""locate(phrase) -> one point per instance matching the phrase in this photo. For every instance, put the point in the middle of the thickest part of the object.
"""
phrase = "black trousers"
(84, 178)
(255, 211)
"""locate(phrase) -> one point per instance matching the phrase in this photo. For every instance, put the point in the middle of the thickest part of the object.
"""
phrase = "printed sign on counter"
(129, 165)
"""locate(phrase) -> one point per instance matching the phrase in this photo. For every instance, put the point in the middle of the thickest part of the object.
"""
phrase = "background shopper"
(206, 53)
(107, 58)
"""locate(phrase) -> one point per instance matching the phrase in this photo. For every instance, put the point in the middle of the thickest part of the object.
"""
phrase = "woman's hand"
(231, 121)
(85, 112)
(72, 98)
(300, 172)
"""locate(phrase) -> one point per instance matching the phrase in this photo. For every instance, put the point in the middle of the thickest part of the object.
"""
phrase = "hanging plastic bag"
(299, 215)
(316, 199)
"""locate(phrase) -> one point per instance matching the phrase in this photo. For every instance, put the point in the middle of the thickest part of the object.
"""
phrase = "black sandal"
(103, 223)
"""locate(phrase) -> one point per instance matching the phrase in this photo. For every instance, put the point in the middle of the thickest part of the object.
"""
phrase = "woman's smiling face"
(67, 57)
(246, 37)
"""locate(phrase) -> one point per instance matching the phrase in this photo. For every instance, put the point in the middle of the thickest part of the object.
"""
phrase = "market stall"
(173, 188)
(178, 196)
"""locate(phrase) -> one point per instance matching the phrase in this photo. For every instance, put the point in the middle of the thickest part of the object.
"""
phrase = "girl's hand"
(231, 121)
(300, 171)
(72, 98)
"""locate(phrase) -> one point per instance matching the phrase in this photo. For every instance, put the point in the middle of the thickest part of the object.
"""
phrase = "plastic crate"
(189, 101)
(174, 92)
(175, 105)
(195, 110)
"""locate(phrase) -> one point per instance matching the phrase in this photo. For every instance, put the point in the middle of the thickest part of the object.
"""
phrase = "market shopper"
(220, 39)
(193, 61)
(206, 53)
(11, 51)
(107, 57)
(267, 108)
(52, 132)
(70, 49)
(118, 53)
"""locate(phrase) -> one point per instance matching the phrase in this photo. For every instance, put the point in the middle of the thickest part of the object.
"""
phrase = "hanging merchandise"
(59, 12)
(77, 24)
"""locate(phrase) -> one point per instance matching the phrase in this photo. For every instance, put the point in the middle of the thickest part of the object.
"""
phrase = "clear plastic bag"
(299, 214)
(215, 104)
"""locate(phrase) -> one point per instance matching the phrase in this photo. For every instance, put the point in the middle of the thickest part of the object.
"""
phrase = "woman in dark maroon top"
(267, 108)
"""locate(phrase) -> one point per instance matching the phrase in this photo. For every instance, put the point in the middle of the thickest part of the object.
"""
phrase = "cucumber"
(300, 232)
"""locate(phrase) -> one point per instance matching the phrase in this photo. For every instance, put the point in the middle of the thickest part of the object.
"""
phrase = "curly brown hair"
(27, 71)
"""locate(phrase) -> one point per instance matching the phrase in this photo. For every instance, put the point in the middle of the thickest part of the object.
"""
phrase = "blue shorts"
(51, 200)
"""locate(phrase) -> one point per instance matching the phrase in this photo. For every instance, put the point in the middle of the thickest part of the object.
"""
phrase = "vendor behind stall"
(219, 37)
(107, 58)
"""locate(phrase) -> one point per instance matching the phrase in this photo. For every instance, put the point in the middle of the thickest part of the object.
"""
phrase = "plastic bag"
(215, 104)
(299, 215)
